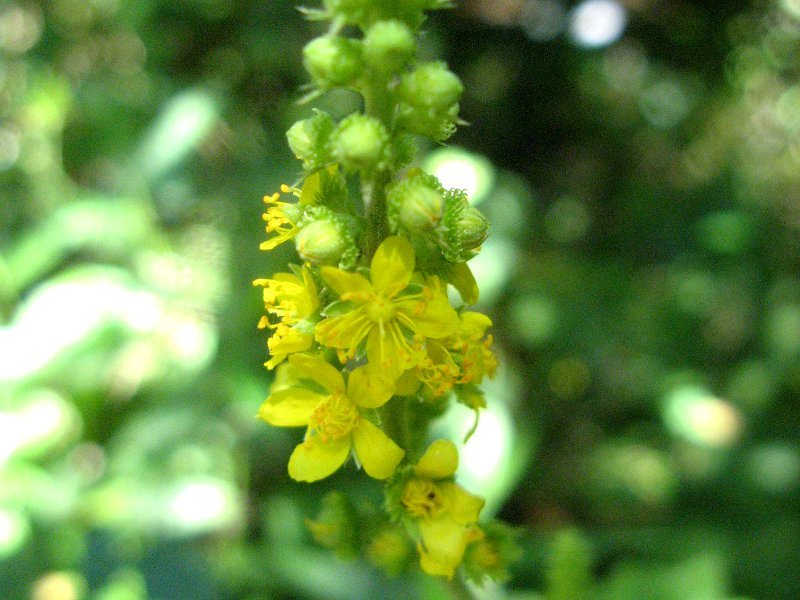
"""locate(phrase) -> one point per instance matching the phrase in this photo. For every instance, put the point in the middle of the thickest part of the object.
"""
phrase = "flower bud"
(432, 85)
(350, 11)
(415, 204)
(388, 46)
(333, 61)
(436, 124)
(464, 228)
(320, 243)
(359, 141)
(473, 228)
(309, 140)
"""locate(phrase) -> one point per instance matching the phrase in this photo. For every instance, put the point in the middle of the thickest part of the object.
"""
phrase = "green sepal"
(338, 308)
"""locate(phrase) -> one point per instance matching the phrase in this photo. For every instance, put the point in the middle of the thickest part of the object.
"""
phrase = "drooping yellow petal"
(305, 366)
(368, 391)
(437, 319)
(349, 286)
(392, 266)
(439, 461)
(463, 508)
(289, 407)
(314, 459)
(378, 454)
(443, 545)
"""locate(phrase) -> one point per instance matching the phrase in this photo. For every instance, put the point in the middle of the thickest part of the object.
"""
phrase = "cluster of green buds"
(365, 343)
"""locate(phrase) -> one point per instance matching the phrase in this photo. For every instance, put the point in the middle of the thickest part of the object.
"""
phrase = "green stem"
(374, 192)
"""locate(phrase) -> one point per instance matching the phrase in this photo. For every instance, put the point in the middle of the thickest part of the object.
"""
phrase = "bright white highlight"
(597, 23)
(203, 505)
(462, 170)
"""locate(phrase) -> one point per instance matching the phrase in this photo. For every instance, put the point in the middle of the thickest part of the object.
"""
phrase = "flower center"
(421, 498)
(380, 310)
(334, 418)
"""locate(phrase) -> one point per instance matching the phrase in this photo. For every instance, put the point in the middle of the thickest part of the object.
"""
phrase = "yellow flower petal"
(343, 331)
(305, 366)
(386, 355)
(291, 407)
(462, 507)
(438, 319)
(443, 545)
(392, 266)
(314, 460)
(408, 383)
(349, 286)
(439, 461)
(368, 391)
(312, 184)
(378, 454)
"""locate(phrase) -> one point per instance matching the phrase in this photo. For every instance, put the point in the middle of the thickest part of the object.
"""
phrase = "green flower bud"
(431, 85)
(309, 140)
(388, 46)
(464, 228)
(333, 61)
(351, 11)
(360, 141)
(473, 228)
(327, 237)
(415, 204)
(432, 123)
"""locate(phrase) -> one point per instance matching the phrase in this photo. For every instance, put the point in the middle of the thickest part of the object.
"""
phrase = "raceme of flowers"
(365, 346)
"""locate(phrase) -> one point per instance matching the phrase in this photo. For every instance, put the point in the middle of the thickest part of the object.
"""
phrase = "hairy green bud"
(415, 204)
(327, 237)
(359, 141)
(333, 61)
(431, 85)
(310, 140)
(463, 228)
(388, 46)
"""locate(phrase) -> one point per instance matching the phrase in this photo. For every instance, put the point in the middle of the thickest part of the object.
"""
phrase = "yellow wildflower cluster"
(344, 344)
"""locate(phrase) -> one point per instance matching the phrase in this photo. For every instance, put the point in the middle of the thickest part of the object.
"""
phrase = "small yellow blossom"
(445, 513)
(335, 420)
(464, 357)
(292, 300)
(282, 217)
(383, 314)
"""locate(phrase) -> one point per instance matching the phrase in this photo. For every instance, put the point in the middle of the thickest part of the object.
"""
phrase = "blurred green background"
(640, 163)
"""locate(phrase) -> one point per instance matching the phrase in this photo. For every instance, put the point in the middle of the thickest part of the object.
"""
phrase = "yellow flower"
(445, 513)
(282, 217)
(383, 313)
(461, 358)
(334, 419)
(292, 300)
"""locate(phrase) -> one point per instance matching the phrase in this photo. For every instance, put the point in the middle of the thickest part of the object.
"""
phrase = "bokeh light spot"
(597, 23)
